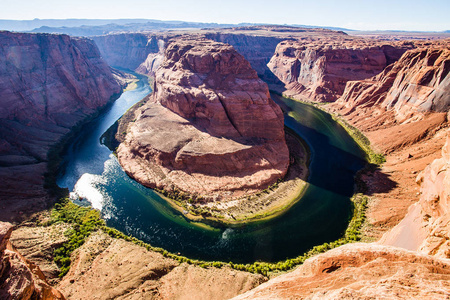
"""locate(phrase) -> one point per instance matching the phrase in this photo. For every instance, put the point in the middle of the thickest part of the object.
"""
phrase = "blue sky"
(354, 14)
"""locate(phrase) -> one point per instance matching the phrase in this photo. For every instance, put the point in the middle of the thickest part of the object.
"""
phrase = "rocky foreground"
(210, 128)
(361, 271)
(19, 277)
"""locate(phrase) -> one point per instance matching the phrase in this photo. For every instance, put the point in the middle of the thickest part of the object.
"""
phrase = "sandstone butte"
(210, 128)
(48, 84)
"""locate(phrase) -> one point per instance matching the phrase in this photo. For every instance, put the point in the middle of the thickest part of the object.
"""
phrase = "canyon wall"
(48, 84)
(143, 52)
(138, 52)
(405, 103)
(416, 84)
(210, 128)
(306, 64)
(426, 227)
(256, 49)
(318, 69)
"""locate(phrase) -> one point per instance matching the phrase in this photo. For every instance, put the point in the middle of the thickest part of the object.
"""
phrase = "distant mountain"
(90, 27)
(87, 27)
(28, 25)
(86, 30)
(324, 27)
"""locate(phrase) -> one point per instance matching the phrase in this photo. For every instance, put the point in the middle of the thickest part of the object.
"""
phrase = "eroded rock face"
(361, 271)
(20, 278)
(416, 84)
(139, 52)
(426, 227)
(210, 127)
(48, 83)
(318, 70)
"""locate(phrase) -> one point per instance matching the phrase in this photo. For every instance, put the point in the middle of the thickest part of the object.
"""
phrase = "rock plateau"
(210, 128)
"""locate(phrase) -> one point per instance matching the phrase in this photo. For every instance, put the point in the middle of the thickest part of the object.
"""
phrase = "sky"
(419, 15)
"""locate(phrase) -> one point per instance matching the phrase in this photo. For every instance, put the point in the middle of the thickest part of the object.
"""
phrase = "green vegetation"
(83, 221)
(363, 142)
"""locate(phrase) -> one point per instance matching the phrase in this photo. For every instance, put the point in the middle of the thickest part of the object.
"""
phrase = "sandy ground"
(392, 188)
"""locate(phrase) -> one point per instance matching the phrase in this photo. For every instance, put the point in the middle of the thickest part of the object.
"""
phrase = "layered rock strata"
(139, 52)
(318, 69)
(210, 128)
(426, 227)
(20, 278)
(416, 84)
(361, 271)
(48, 84)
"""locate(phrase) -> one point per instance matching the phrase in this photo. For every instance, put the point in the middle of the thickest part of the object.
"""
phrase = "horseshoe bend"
(344, 197)
(209, 133)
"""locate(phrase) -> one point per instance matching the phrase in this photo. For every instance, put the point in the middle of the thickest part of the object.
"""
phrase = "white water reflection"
(87, 189)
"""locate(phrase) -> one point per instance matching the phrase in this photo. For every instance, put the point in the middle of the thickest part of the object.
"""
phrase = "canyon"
(49, 84)
(394, 92)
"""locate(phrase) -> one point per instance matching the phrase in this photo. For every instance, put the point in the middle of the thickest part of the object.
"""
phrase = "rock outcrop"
(416, 84)
(210, 128)
(318, 69)
(361, 271)
(20, 278)
(48, 84)
(426, 227)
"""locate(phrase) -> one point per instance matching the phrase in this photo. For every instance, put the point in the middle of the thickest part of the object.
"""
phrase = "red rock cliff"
(210, 128)
(426, 227)
(418, 83)
(361, 271)
(318, 69)
(48, 83)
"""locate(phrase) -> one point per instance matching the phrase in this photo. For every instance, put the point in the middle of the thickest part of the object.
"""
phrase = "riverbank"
(269, 203)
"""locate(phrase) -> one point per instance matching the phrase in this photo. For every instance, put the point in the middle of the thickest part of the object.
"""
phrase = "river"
(92, 172)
